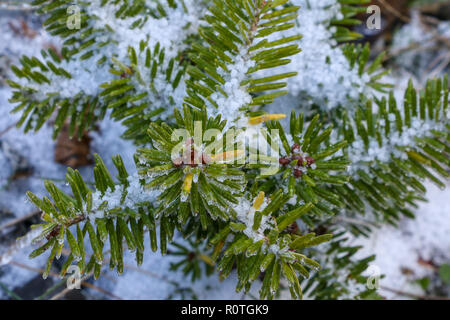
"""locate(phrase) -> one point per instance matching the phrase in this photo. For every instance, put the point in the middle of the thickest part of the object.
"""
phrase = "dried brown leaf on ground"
(22, 28)
(71, 151)
(429, 264)
(407, 271)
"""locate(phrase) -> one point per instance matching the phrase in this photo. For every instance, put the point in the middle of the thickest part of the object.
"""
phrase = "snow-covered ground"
(400, 251)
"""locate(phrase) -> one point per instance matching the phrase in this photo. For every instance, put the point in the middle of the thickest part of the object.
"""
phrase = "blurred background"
(413, 258)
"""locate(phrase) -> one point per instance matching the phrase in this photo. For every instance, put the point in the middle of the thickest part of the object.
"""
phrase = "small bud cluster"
(191, 157)
(127, 73)
(301, 161)
(53, 233)
(293, 228)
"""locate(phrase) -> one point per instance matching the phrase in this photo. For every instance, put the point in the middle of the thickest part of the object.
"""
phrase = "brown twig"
(55, 231)
(394, 11)
(407, 19)
(412, 295)
(7, 129)
(62, 293)
(416, 46)
(55, 275)
(443, 63)
(357, 221)
(18, 220)
(146, 272)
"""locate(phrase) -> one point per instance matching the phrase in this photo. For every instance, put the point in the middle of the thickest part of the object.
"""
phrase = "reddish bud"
(299, 159)
(298, 173)
(178, 162)
(191, 256)
(310, 161)
(295, 148)
(293, 228)
(54, 233)
(284, 161)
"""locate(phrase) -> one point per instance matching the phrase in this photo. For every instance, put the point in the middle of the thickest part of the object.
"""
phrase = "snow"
(425, 237)
(325, 77)
(169, 32)
(236, 96)
(135, 194)
(391, 146)
(17, 246)
(418, 47)
(246, 214)
(153, 281)
(15, 46)
(38, 151)
(328, 83)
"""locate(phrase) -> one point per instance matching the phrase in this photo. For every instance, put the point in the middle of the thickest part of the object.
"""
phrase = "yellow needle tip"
(226, 156)
(265, 118)
(259, 200)
(188, 183)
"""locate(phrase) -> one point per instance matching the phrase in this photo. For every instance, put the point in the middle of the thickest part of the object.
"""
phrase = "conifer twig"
(7, 129)
(9, 292)
(19, 220)
(55, 275)
(412, 295)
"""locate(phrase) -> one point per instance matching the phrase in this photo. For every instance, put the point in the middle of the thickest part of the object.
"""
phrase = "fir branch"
(222, 78)
(393, 150)
(67, 85)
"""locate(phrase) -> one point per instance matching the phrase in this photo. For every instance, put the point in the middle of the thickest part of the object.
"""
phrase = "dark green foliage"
(84, 110)
(81, 110)
(359, 57)
(265, 246)
(389, 188)
(350, 8)
(310, 164)
(133, 96)
(193, 260)
(189, 205)
(237, 28)
(196, 178)
(195, 172)
(341, 271)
